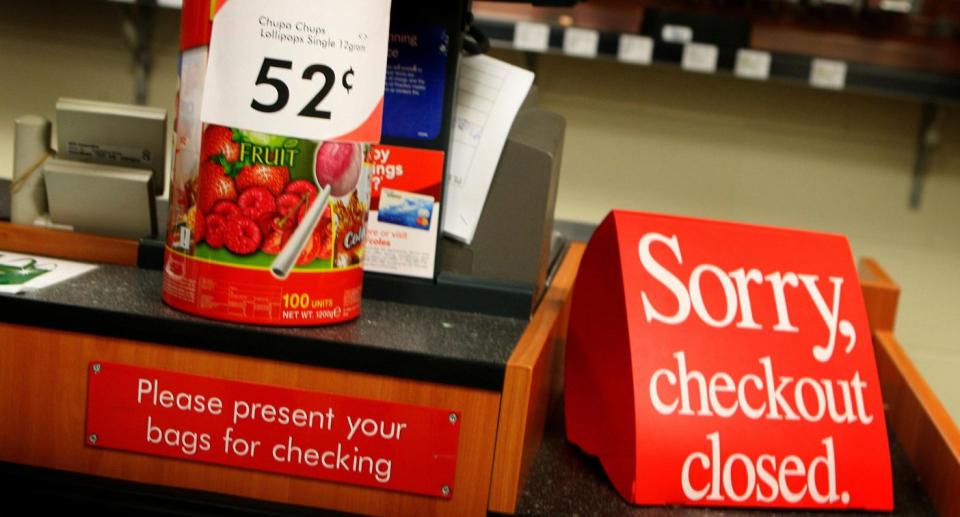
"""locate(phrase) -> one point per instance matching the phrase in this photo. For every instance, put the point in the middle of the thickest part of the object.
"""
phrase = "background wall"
(642, 138)
(63, 48)
(663, 140)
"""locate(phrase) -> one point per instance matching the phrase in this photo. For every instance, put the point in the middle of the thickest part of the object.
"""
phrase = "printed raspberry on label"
(299, 187)
(215, 226)
(226, 209)
(242, 236)
(287, 202)
(256, 203)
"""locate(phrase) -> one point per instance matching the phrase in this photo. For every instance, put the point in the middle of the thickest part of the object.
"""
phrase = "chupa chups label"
(721, 364)
(252, 196)
(271, 187)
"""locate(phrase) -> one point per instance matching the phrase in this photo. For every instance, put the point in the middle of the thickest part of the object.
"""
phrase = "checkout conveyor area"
(104, 312)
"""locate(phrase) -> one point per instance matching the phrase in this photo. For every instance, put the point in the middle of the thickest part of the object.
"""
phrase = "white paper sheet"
(489, 95)
(20, 273)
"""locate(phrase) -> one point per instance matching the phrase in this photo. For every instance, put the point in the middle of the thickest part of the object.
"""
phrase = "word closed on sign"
(734, 363)
(323, 436)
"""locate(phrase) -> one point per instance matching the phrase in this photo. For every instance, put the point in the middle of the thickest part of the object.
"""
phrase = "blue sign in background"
(416, 71)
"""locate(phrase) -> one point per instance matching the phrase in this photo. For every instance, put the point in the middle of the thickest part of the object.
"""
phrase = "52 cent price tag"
(307, 69)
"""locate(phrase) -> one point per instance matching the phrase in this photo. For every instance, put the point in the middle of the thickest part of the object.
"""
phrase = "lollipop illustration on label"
(337, 167)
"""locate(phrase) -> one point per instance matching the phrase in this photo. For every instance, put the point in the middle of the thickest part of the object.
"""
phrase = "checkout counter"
(485, 340)
(501, 373)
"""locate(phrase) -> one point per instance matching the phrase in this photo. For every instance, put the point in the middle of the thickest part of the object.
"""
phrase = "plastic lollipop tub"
(263, 229)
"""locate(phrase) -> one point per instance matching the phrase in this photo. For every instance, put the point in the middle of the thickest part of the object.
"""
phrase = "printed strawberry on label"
(215, 186)
(271, 177)
(219, 141)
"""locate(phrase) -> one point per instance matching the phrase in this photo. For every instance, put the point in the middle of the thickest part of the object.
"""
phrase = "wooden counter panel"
(68, 245)
(42, 421)
(532, 380)
(922, 425)
(916, 416)
(880, 295)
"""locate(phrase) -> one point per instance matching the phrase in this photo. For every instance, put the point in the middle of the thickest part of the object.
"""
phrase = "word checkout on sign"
(748, 357)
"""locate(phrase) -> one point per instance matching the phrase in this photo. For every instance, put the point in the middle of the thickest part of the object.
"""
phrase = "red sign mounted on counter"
(721, 364)
(286, 431)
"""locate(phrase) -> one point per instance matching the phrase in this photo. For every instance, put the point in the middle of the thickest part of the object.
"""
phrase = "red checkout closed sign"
(721, 364)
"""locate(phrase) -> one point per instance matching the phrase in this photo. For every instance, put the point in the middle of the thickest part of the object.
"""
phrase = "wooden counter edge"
(916, 416)
(67, 245)
(530, 380)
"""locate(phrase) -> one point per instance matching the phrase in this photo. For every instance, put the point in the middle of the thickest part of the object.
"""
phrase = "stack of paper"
(490, 94)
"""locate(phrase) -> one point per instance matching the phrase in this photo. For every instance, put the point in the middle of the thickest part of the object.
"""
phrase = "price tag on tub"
(828, 73)
(635, 49)
(531, 36)
(311, 70)
(699, 57)
(752, 64)
(580, 42)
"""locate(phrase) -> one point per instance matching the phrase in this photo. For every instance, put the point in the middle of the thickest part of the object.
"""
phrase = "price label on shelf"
(580, 42)
(700, 57)
(828, 73)
(752, 64)
(531, 36)
(635, 49)
(676, 33)
(312, 70)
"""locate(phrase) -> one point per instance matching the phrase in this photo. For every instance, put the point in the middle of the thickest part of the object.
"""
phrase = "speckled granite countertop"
(394, 339)
(564, 481)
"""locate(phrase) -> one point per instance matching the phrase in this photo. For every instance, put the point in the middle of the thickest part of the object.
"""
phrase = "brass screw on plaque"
(96, 367)
(445, 490)
(453, 418)
(93, 439)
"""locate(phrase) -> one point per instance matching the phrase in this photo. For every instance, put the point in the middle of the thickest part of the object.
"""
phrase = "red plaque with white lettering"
(721, 364)
(300, 433)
